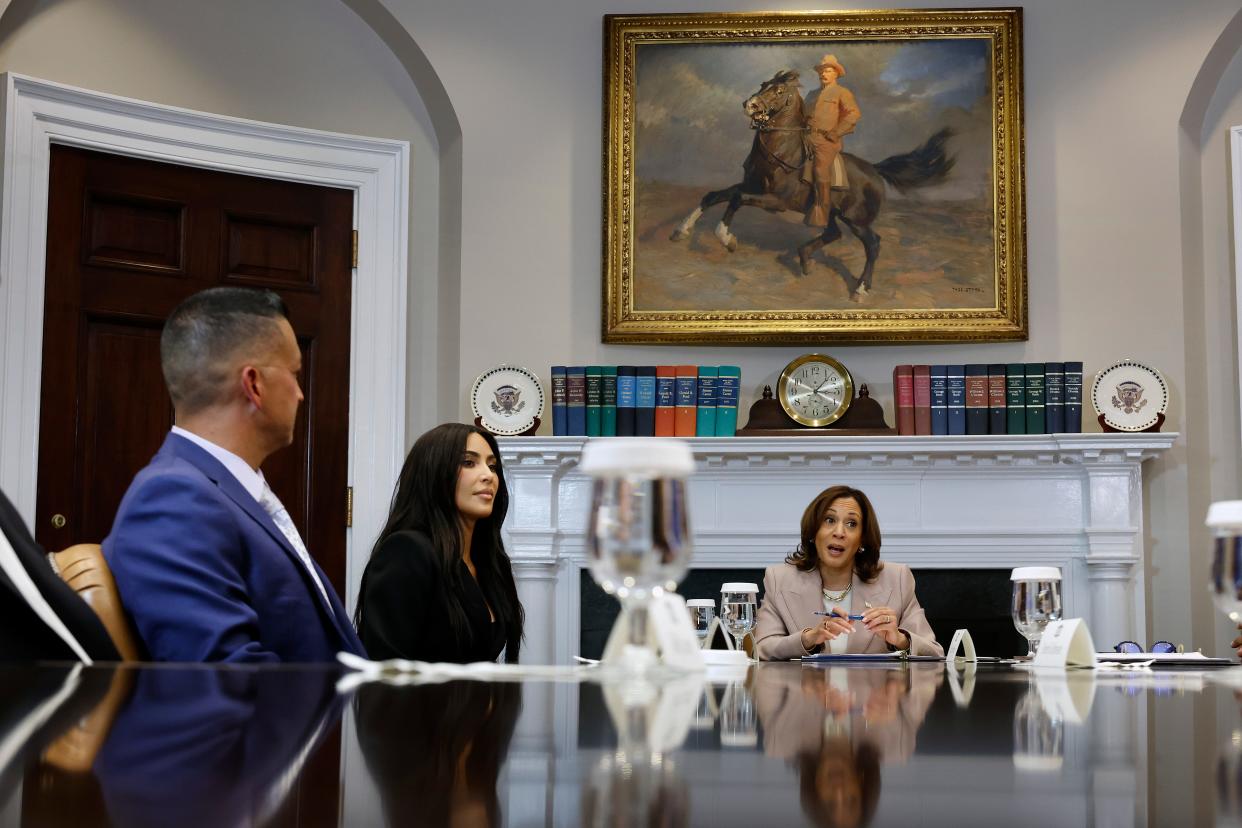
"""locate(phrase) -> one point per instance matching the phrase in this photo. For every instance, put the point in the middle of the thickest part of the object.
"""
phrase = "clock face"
(815, 390)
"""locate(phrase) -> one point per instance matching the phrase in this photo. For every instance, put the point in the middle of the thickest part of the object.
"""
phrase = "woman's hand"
(882, 621)
(826, 630)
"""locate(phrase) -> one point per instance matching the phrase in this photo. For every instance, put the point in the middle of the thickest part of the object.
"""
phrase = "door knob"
(58, 521)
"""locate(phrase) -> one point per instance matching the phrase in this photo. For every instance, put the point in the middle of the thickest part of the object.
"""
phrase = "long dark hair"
(425, 500)
(867, 562)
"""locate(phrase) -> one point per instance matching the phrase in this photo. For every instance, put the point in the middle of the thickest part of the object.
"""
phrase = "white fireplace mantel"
(1068, 500)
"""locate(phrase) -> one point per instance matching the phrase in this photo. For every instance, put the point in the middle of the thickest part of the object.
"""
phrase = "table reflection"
(434, 751)
(837, 725)
(777, 744)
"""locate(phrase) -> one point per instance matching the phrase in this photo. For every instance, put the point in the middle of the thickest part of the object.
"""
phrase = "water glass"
(737, 609)
(702, 613)
(1225, 520)
(638, 533)
(1036, 601)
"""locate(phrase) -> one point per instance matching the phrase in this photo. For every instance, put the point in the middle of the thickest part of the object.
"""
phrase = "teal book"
(608, 407)
(594, 400)
(705, 420)
(1035, 420)
(728, 386)
(1015, 398)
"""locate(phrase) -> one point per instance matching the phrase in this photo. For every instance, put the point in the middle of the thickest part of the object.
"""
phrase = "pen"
(839, 615)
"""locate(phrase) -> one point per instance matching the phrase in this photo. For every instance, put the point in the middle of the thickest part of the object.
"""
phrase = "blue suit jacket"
(206, 575)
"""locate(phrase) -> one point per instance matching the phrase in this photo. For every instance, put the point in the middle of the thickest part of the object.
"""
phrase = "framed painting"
(814, 177)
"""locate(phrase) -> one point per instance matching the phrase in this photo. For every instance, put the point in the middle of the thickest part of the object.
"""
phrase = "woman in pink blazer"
(837, 567)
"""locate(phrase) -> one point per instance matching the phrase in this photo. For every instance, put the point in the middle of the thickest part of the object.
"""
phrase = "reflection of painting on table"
(806, 189)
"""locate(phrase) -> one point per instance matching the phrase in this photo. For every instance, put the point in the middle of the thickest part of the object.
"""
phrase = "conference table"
(903, 743)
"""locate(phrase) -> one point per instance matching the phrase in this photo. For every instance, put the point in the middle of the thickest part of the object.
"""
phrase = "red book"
(903, 398)
(976, 399)
(666, 401)
(686, 389)
(922, 399)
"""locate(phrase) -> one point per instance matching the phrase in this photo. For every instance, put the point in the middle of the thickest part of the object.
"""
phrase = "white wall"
(1128, 246)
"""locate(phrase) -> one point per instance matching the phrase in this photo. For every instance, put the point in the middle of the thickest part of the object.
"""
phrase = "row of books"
(1017, 398)
(645, 400)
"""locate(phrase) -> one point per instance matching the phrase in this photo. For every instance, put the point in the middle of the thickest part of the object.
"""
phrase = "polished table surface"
(778, 744)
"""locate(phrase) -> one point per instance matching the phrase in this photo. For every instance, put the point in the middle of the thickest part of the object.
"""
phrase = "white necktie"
(272, 505)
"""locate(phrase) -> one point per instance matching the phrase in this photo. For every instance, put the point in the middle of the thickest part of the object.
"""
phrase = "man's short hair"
(205, 332)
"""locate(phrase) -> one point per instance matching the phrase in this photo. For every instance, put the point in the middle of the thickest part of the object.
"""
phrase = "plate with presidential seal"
(507, 400)
(1130, 396)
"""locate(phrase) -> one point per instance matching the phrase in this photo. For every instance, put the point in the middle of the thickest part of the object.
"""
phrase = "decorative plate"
(507, 399)
(1130, 395)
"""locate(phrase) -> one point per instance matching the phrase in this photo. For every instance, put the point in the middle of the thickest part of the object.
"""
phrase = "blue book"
(575, 401)
(1054, 397)
(939, 399)
(956, 382)
(558, 400)
(627, 392)
(705, 419)
(728, 385)
(645, 401)
(1073, 398)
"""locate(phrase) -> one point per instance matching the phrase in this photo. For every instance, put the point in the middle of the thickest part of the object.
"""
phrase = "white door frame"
(39, 113)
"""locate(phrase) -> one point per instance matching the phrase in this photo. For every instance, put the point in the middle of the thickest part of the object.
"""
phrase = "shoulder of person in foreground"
(177, 554)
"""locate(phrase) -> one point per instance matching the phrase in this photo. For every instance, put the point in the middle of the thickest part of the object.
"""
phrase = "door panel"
(129, 239)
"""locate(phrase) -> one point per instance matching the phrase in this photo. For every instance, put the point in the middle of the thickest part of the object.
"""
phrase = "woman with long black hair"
(439, 585)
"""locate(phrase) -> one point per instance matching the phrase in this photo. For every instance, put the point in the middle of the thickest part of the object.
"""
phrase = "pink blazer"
(791, 598)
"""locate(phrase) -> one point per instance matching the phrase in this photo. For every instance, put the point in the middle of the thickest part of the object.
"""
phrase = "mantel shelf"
(1050, 448)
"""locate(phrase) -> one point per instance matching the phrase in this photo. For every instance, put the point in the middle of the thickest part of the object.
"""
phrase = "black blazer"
(23, 635)
(402, 610)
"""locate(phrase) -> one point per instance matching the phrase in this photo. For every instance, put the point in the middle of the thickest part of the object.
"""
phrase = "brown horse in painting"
(772, 178)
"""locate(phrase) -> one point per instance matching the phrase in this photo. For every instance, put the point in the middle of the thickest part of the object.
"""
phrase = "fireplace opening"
(976, 599)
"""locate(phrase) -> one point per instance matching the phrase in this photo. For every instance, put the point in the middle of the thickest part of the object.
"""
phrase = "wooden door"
(127, 240)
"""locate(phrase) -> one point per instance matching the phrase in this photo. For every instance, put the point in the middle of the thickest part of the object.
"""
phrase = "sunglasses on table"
(1158, 647)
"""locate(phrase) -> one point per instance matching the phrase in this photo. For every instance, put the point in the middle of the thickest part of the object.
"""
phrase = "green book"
(594, 400)
(1035, 422)
(1015, 398)
(705, 419)
(608, 402)
(728, 384)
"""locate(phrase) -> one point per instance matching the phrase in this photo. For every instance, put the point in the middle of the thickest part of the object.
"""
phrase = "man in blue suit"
(205, 557)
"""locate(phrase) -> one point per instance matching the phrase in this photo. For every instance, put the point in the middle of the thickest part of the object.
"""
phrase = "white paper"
(669, 630)
(961, 639)
(1066, 644)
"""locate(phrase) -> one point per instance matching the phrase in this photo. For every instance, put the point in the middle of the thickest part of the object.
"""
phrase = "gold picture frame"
(703, 106)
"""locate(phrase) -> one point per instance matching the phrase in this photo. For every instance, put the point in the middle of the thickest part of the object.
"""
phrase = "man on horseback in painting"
(831, 113)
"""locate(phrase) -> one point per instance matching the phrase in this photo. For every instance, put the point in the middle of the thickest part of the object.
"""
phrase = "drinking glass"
(639, 532)
(702, 613)
(1225, 520)
(737, 610)
(1036, 601)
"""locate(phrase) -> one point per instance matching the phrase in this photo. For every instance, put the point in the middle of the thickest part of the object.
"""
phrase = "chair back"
(85, 570)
